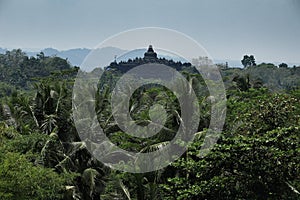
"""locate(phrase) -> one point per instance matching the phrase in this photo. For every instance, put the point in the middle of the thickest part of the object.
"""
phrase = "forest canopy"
(43, 157)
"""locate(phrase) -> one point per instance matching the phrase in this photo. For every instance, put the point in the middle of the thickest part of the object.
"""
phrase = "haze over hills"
(107, 54)
(76, 56)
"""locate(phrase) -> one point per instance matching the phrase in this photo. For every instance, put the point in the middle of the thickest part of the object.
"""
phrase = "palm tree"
(242, 83)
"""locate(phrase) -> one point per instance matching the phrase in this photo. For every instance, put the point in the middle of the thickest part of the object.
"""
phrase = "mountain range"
(77, 56)
(107, 54)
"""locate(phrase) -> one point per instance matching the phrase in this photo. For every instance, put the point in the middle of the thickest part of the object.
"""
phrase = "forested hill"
(268, 75)
(256, 156)
(18, 70)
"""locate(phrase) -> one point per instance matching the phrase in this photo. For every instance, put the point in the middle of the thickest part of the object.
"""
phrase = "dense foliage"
(19, 71)
(42, 156)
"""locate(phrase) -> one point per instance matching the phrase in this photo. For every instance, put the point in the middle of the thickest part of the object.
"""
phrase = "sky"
(227, 29)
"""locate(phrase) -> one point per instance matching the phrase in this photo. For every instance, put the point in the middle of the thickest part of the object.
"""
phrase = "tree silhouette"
(283, 65)
(248, 61)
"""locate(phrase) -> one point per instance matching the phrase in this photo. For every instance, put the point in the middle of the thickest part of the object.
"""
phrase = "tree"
(255, 158)
(248, 61)
(283, 65)
(20, 179)
(242, 83)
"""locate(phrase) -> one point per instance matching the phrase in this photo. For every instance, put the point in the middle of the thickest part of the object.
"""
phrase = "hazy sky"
(269, 29)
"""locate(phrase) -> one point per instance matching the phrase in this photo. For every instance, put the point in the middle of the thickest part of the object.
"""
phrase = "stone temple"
(150, 56)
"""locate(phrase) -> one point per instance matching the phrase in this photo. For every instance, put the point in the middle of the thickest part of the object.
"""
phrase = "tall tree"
(248, 61)
(283, 65)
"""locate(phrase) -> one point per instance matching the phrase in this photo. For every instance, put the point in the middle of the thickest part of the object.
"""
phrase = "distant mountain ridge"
(77, 56)
(107, 54)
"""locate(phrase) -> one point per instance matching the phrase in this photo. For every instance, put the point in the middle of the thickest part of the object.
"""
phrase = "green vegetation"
(42, 156)
(248, 61)
(18, 71)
